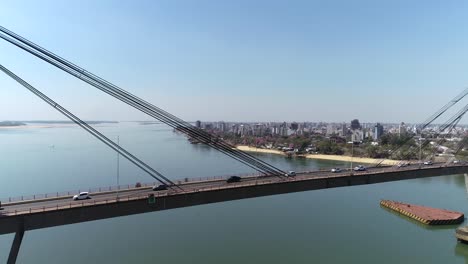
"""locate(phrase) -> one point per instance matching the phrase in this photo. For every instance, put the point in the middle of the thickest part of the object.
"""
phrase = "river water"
(341, 225)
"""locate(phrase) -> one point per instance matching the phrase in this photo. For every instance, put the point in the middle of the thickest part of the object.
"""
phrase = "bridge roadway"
(42, 213)
(20, 207)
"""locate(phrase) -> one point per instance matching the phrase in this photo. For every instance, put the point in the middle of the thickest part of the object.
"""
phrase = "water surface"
(341, 225)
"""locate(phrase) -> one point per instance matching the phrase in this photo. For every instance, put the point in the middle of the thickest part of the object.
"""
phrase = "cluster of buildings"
(254, 129)
(354, 131)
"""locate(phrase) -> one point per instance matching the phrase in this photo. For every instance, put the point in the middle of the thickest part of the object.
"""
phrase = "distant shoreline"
(36, 126)
(46, 124)
(11, 124)
(65, 122)
(320, 156)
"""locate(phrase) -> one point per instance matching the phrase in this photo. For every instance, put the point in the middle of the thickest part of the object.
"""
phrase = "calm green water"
(343, 225)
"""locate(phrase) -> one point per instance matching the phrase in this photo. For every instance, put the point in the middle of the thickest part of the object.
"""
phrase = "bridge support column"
(16, 244)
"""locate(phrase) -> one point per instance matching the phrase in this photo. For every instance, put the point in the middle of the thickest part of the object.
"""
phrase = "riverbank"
(33, 126)
(45, 125)
(321, 156)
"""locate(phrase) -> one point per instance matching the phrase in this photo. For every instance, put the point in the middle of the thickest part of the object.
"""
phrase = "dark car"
(233, 179)
(160, 187)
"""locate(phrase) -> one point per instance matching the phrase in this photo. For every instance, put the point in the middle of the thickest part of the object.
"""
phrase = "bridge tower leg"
(16, 244)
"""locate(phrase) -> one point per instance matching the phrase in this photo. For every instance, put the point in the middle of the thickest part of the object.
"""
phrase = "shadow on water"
(202, 148)
(461, 250)
(433, 228)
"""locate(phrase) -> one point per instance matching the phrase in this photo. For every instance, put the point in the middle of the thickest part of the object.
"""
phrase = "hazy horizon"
(263, 60)
(227, 121)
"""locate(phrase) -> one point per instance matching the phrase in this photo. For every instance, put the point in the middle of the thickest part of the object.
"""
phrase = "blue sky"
(386, 61)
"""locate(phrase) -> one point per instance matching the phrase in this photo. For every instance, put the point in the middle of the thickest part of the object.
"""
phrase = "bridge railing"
(148, 185)
(138, 196)
(144, 195)
(115, 188)
(126, 187)
(71, 193)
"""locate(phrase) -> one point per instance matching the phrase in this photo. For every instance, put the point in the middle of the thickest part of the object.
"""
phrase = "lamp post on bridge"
(118, 169)
(352, 153)
(420, 152)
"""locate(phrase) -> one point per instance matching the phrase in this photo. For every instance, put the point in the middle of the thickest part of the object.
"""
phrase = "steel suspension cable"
(443, 109)
(130, 157)
(142, 105)
(193, 132)
(449, 125)
(429, 121)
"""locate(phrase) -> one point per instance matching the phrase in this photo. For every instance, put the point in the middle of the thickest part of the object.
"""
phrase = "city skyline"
(246, 61)
(181, 131)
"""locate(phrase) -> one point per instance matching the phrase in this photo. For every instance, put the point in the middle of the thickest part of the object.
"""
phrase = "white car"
(81, 196)
(456, 161)
(359, 168)
(336, 170)
(428, 162)
(291, 173)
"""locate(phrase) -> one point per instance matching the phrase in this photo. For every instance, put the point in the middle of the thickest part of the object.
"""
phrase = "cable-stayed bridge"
(29, 214)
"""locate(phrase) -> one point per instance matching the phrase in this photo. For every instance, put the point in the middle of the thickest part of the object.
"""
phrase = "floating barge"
(423, 214)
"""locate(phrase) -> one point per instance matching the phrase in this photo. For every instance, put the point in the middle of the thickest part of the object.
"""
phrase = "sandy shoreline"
(321, 156)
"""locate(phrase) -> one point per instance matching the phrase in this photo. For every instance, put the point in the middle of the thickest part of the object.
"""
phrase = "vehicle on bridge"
(428, 162)
(291, 173)
(403, 164)
(233, 179)
(160, 187)
(359, 168)
(336, 170)
(81, 196)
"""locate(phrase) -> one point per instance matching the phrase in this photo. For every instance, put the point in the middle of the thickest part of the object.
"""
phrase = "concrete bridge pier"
(16, 244)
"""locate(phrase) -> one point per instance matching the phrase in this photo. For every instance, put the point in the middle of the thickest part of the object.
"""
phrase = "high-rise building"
(330, 129)
(300, 128)
(259, 130)
(355, 124)
(275, 130)
(378, 131)
(294, 126)
(283, 130)
(222, 126)
(344, 130)
(357, 136)
(208, 126)
(401, 129)
(242, 130)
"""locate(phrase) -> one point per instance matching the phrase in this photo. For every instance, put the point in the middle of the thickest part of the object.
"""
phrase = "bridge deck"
(44, 213)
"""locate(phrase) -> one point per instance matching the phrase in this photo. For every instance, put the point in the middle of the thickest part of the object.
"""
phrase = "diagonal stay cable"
(429, 121)
(122, 95)
(437, 114)
(207, 141)
(448, 126)
(130, 157)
